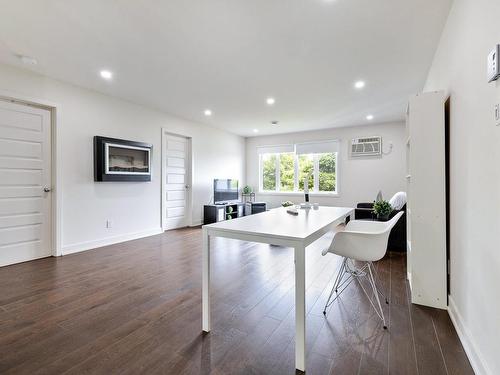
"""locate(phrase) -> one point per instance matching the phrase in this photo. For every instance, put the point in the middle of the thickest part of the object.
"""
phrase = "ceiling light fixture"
(28, 60)
(369, 117)
(359, 84)
(208, 112)
(106, 74)
(270, 101)
(256, 130)
(274, 122)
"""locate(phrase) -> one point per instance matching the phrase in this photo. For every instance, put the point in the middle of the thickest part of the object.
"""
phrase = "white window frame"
(313, 192)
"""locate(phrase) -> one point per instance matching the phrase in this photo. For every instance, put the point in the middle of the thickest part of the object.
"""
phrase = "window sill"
(294, 193)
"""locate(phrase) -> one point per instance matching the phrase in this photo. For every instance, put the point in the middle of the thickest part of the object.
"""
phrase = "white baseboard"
(88, 245)
(196, 224)
(476, 359)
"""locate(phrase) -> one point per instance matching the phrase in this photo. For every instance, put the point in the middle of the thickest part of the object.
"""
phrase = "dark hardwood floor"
(135, 308)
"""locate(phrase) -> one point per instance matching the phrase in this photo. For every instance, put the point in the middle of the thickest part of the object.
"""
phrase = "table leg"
(300, 308)
(206, 281)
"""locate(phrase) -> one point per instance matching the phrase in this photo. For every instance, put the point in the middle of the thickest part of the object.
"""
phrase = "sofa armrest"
(365, 205)
(363, 213)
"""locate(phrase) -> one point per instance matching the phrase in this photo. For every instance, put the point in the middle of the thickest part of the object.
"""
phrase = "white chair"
(363, 241)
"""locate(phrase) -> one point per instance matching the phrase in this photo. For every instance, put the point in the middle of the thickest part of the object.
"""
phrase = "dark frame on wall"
(121, 160)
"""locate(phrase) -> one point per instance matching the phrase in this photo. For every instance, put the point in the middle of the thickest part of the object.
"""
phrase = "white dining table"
(277, 227)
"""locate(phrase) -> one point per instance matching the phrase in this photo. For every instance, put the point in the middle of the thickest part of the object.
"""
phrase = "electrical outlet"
(109, 224)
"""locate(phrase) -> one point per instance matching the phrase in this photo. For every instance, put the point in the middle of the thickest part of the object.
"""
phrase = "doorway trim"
(56, 199)
(189, 180)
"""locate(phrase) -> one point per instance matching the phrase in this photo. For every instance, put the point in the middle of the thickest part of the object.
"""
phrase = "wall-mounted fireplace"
(121, 160)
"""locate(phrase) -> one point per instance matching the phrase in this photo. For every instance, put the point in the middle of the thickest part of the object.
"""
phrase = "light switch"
(493, 64)
(497, 114)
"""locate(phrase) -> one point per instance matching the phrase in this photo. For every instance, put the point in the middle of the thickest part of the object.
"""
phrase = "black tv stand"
(213, 213)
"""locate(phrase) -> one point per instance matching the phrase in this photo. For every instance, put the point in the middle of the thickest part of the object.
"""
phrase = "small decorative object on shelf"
(383, 209)
(287, 203)
(247, 194)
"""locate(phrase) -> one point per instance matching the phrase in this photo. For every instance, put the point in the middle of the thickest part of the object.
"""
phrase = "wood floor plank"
(135, 308)
(452, 350)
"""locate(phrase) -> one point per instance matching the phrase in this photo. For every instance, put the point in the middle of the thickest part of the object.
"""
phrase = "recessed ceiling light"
(28, 60)
(208, 112)
(270, 101)
(106, 74)
(256, 130)
(359, 84)
(369, 117)
(274, 122)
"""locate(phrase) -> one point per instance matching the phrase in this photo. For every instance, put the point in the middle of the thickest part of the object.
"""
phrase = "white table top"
(279, 224)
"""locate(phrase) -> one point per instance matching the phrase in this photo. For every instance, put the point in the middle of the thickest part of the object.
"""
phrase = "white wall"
(459, 66)
(134, 208)
(360, 178)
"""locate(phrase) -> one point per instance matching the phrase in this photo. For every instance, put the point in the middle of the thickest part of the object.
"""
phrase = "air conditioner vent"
(367, 146)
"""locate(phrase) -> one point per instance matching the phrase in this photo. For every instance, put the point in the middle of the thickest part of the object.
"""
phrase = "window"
(285, 172)
(268, 165)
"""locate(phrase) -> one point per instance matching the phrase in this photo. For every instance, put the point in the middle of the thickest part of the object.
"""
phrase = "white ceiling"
(183, 56)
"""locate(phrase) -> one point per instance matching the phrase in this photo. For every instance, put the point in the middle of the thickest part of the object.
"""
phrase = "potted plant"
(383, 209)
(247, 189)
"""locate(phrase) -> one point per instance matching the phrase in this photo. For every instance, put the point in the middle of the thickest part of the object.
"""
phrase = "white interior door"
(25, 180)
(176, 181)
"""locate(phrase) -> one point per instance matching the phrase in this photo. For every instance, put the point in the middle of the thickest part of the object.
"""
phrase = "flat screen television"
(225, 190)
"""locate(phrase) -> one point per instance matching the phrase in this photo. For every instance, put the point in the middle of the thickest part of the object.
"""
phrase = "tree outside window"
(285, 172)
(269, 172)
(327, 180)
(306, 165)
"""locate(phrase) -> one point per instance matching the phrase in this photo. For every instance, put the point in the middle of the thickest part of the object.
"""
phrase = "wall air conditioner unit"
(366, 146)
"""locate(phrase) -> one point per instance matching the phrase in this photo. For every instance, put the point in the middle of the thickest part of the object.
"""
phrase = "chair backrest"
(391, 223)
(364, 240)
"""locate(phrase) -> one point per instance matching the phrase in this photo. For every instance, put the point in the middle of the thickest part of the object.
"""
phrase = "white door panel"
(25, 170)
(176, 195)
(6, 162)
(20, 192)
(21, 117)
(175, 187)
(175, 178)
(172, 203)
(176, 170)
(176, 162)
(21, 177)
(19, 220)
(176, 154)
(27, 233)
(176, 145)
(176, 212)
(21, 206)
(19, 135)
(18, 149)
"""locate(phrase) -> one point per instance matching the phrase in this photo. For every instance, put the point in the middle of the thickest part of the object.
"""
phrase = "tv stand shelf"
(213, 213)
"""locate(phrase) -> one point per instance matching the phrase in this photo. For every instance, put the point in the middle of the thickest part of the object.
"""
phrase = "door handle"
(46, 190)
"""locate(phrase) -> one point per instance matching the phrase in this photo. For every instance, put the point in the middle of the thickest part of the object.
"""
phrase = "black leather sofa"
(397, 238)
